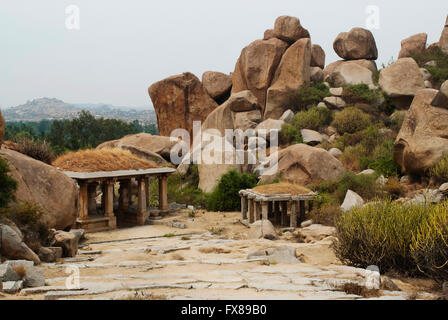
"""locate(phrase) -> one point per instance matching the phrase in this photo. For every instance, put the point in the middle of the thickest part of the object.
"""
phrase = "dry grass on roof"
(282, 188)
(106, 159)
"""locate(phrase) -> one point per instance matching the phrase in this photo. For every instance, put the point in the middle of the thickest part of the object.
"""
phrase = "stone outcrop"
(351, 73)
(39, 183)
(268, 34)
(303, 164)
(401, 78)
(422, 140)
(441, 99)
(67, 241)
(178, 101)
(316, 75)
(217, 84)
(289, 29)
(292, 72)
(443, 42)
(317, 56)
(332, 67)
(356, 44)
(415, 44)
(352, 200)
(144, 145)
(256, 67)
(12, 246)
(262, 229)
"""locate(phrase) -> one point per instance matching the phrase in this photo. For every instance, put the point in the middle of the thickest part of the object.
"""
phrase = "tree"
(7, 184)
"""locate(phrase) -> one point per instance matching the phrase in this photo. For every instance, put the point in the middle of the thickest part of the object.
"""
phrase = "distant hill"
(55, 109)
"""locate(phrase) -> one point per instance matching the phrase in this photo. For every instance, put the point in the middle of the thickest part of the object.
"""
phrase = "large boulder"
(303, 164)
(262, 229)
(316, 75)
(2, 128)
(358, 43)
(317, 56)
(46, 186)
(443, 42)
(332, 67)
(292, 72)
(144, 145)
(246, 120)
(415, 44)
(256, 67)
(422, 140)
(401, 78)
(67, 241)
(12, 246)
(217, 84)
(351, 73)
(289, 29)
(352, 200)
(441, 99)
(179, 100)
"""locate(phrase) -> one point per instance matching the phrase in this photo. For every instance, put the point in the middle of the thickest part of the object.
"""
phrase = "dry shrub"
(282, 188)
(394, 188)
(214, 250)
(36, 149)
(326, 214)
(356, 289)
(20, 270)
(351, 120)
(440, 170)
(107, 159)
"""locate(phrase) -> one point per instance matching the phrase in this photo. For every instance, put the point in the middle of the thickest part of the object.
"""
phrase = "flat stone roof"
(116, 174)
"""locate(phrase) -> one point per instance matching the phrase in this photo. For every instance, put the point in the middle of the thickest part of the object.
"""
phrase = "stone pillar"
(243, 207)
(163, 193)
(264, 210)
(302, 215)
(148, 182)
(123, 201)
(277, 212)
(284, 213)
(141, 206)
(108, 197)
(91, 195)
(103, 196)
(294, 211)
(251, 204)
(257, 206)
(83, 201)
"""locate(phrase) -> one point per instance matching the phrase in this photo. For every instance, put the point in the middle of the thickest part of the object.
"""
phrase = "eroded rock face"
(356, 44)
(443, 42)
(292, 72)
(179, 100)
(303, 164)
(401, 78)
(217, 84)
(317, 56)
(256, 67)
(415, 44)
(144, 145)
(422, 140)
(441, 99)
(39, 183)
(316, 75)
(289, 29)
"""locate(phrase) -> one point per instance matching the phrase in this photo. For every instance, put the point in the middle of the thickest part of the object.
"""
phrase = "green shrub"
(225, 197)
(309, 95)
(351, 120)
(313, 119)
(7, 184)
(36, 149)
(439, 73)
(379, 234)
(440, 170)
(364, 185)
(429, 247)
(360, 93)
(290, 134)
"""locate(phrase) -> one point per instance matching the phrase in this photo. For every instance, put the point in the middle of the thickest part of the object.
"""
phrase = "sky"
(122, 47)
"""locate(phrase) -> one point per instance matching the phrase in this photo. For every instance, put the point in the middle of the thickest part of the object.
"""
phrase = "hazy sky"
(122, 47)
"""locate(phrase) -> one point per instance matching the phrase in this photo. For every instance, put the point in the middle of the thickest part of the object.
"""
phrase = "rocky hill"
(55, 109)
